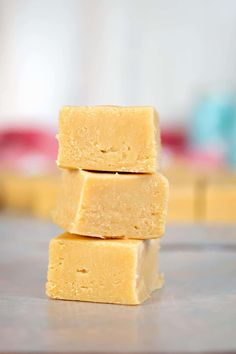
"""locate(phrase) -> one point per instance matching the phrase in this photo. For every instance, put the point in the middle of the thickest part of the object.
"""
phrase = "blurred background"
(177, 55)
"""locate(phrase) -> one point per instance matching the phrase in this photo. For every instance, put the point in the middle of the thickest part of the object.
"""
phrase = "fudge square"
(182, 202)
(109, 138)
(112, 204)
(111, 271)
(220, 204)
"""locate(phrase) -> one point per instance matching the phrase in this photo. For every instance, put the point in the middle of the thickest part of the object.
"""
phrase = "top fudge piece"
(109, 138)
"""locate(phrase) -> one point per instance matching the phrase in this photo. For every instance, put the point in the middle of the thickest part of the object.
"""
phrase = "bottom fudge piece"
(111, 271)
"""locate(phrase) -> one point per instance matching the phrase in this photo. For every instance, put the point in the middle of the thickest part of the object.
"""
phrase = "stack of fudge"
(112, 204)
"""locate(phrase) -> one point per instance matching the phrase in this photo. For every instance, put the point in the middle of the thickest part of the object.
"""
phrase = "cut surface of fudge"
(109, 138)
(112, 204)
(110, 271)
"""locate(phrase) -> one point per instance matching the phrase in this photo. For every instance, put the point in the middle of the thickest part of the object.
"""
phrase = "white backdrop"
(163, 53)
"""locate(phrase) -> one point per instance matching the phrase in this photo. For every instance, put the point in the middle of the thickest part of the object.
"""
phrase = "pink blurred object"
(175, 140)
(205, 159)
(175, 143)
(28, 149)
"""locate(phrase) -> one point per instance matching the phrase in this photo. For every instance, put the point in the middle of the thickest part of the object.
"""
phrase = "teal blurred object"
(214, 126)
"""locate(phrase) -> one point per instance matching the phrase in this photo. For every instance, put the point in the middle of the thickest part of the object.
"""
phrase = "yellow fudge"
(112, 204)
(1, 190)
(109, 138)
(17, 192)
(111, 271)
(182, 199)
(187, 193)
(221, 202)
(200, 203)
(44, 195)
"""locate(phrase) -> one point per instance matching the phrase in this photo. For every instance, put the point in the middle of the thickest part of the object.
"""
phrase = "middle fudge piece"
(112, 204)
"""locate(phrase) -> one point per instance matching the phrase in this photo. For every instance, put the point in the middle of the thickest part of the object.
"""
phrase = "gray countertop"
(194, 313)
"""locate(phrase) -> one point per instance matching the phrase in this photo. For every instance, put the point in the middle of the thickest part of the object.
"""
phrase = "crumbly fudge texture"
(112, 205)
(109, 138)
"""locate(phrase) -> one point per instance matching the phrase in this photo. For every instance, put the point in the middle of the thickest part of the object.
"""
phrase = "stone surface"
(193, 313)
